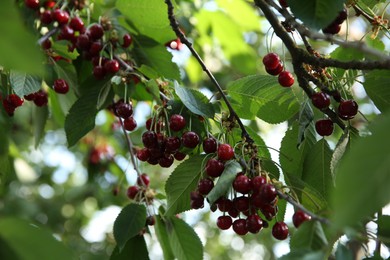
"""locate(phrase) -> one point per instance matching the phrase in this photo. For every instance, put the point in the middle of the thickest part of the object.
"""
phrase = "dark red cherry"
(127, 40)
(267, 193)
(320, 100)
(166, 161)
(172, 144)
(324, 127)
(275, 71)
(129, 123)
(299, 217)
(190, 139)
(177, 122)
(61, 86)
(112, 66)
(347, 109)
(239, 226)
(286, 79)
(132, 192)
(46, 17)
(214, 168)
(254, 223)
(271, 61)
(124, 110)
(224, 222)
(76, 23)
(61, 16)
(96, 31)
(143, 180)
(280, 230)
(258, 181)
(40, 99)
(205, 186)
(33, 4)
(225, 152)
(143, 154)
(149, 139)
(242, 184)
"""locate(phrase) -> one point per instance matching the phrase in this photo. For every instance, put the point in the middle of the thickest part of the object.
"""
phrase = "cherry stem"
(175, 27)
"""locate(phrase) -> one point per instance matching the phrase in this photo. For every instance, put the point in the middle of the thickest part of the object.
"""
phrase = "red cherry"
(242, 184)
(333, 28)
(205, 186)
(214, 168)
(324, 127)
(8, 107)
(129, 123)
(15, 100)
(190, 139)
(197, 200)
(46, 17)
(46, 44)
(96, 31)
(343, 15)
(124, 110)
(299, 217)
(61, 86)
(30, 97)
(224, 222)
(320, 100)
(280, 230)
(271, 61)
(112, 66)
(233, 212)
(172, 144)
(225, 152)
(143, 154)
(179, 156)
(209, 145)
(241, 203)
(347, 109)
(268, 193)
(132, 192)
(286, 79)
(149, 139)
(177, 122)
(77, 24)
(224, 204)
(99, 72)
(275, 71)
(150, 220)
(166, 161)
(269, 211)
(83, 42)
(40, 99)
(254, 223)
(33, 4)
(143, 180)
(95, 48)
(61, 16)
(258, 181)
(127, 40)
(239, 226)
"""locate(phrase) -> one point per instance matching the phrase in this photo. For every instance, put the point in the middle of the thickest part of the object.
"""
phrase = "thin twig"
(47, 36)
(175, 26)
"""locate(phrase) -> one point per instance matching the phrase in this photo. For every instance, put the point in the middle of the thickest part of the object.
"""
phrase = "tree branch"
(175, 27)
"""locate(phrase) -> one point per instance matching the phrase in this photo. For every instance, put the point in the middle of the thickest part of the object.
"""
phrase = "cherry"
(214, 168)
(324, 127)
(40, 99)
(61, 86)
(112, 66)
(127, 40)
(15, 100)
(233, 212)
(46, 44)
(46, 17)
(205, 186)
(179, 156)
(166, 161)
(149, 139)
(177, 122)
(275, 71)
(95, 49)
(286, 79)
(30, 97)
(33, 4)
(190, 139)
(124, 110)
(83, 42)
(49, 4)
(96, 31)
(224, 204)
(241, 203)
(299, 217)
(197, 200)
(61, 16)
(242, 184)
(224, 222)
(129, 123)
(143, 180)
(256, 200)
(239, 226)
(132, 192)
(150, 221)
(77, 24)
(280, 230)
(268, 193)
(333, 28)
(254, 223)
(99, 72)
(320, 100)
(143, 154)
(258, 181)
(271, 61)
(225, 152)
(209, 145)
(343, 15)
(172, 144)
(347, 109)
(269, 211)
(67, 33)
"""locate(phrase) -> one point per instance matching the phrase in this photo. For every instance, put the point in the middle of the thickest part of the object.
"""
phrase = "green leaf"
(182, 181)
(129, 223)
(149, 52)
(135, 248)
(67, 71)
(306, 116)
(384, 229)
(81, 117)
(372, 3)
(24, 84)
(263, 97)
(195, 101)
(309, 235)
(185, 243)
(377, 84)
(225, 181)
(364, 175)
(304, 255)
(62, 48)
(344, 253)
(24, 239)
(316, 168)
(18, 47)
(316, 13)
(150, 18)
(339, 151)
(163, 238)
(40, 116)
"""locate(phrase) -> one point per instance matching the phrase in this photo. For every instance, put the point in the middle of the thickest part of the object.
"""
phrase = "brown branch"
(175, 27)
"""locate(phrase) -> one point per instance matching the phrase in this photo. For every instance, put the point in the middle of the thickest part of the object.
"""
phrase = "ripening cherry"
(280, 230)
(127, 40)
(271, 61)
(209, 145)
(299, 217)
(61, 86)
(320, 100)
(205, 186)
(224, 222)
(143, 180)
(33, 4)
(225, 152)
(242, 184)
(324, 127)
(77, 24)
(254, 223)
(177, 122)
(61, 16)
(112, 66)
(347, 109)
(239, 226)
(132, 191)
(190, 139)
(129, 123)
(214, 168)
(286, 79)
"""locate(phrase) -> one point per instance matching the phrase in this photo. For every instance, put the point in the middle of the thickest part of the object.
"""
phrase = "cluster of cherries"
(274, 66)
(160, 148)
(11, 102)
(347, 109)
(335, 26)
